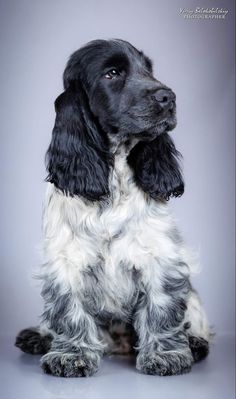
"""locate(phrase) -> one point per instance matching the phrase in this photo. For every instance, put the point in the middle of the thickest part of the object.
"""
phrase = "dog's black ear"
(78, 159)
(156, 167)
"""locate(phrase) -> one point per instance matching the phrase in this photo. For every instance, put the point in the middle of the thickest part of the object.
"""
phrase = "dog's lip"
(165, 125)
(169, 120)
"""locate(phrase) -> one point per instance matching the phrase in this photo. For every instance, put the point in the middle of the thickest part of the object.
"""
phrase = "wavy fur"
(116, 273)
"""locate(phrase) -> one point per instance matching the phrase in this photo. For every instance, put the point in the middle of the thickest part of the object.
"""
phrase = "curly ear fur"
(156, 167)
(78, 159)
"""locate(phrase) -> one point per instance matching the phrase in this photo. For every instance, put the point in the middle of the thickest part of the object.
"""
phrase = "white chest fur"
(128, 232)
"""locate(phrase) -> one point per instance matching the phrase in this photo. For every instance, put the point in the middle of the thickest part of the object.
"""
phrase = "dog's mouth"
(167, 122)
(143, 125)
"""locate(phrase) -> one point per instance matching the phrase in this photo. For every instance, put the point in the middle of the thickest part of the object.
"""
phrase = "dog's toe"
(164, 363)
(69, 364)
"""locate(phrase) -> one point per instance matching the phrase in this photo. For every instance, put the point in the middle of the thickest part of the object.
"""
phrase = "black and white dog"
(113, 255)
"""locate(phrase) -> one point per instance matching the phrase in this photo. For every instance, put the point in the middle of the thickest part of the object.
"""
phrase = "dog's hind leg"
(34, 340)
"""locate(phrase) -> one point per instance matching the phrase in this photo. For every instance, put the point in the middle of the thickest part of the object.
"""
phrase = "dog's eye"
(113, 73)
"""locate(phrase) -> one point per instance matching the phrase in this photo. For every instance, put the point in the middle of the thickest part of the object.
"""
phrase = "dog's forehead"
(92, 58)
(116, 51)
(122, 50)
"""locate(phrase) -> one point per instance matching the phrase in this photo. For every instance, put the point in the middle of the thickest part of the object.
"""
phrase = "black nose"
(165, 98)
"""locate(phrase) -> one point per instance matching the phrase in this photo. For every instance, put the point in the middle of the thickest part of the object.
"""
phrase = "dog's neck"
(122, 149)
(121, 181)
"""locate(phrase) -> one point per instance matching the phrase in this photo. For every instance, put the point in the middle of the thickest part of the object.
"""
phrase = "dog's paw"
(70, 364)
(31, 341)
(164, 363)
(199, 347)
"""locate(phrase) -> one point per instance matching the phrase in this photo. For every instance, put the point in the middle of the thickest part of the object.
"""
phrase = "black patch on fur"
(187, 325)
(156, 167)
(164, 319)
(172, 285)
(31, 341)
(199, 347)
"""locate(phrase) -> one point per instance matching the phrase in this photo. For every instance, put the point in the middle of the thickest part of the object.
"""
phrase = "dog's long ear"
(78, 159)
(156, 167)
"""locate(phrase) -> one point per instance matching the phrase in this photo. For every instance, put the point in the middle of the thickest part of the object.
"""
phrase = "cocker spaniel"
(116, 275)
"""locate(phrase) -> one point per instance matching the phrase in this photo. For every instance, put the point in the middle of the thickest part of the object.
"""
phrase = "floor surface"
(21, 377)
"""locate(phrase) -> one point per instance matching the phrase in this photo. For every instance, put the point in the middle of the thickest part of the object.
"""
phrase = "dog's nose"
(165, 98)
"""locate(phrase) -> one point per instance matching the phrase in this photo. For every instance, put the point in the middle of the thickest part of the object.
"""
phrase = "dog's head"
(112, 97)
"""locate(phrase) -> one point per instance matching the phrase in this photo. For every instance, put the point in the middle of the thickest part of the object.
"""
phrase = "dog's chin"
(164, 126)
(148, 133)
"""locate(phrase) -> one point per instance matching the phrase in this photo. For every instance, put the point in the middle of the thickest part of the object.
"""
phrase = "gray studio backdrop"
(194, 57)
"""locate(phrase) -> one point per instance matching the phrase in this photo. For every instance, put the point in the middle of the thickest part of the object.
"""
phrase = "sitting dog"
(116, 275)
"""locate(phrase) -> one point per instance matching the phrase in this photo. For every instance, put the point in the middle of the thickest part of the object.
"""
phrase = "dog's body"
(113, 254)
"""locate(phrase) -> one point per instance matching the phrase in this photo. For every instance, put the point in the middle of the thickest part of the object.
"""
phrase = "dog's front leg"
(159, 323)
(76, 349)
